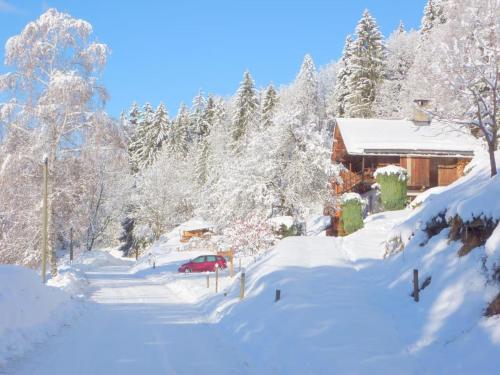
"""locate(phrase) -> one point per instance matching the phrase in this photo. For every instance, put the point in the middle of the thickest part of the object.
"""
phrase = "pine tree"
(245, 110)
(401, 27)
(201, 163)
(179, 136)
(144, 142)
(162, 124)
(341, 89)
(127, 237)
(209, 114)
(433, 15)
(197, 127)
(134, 118)
(367, 68)
(306, 84)
(268, 106)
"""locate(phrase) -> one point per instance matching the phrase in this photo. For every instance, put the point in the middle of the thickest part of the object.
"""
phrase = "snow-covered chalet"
(434, 153)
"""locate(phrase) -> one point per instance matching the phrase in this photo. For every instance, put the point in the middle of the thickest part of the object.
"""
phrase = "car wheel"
(187, 270)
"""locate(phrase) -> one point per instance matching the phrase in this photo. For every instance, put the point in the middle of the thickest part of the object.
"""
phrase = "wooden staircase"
(351, 181)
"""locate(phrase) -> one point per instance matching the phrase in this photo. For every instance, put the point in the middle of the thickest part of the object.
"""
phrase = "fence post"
(242, 285)
(415, 285)
(278, 295)
(216, 279)
(208, 281)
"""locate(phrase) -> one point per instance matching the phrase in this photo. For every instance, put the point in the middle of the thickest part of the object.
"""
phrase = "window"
(199, 260)
(211, 258)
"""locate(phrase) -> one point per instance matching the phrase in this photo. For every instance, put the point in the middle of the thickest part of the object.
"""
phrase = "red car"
(204, 263)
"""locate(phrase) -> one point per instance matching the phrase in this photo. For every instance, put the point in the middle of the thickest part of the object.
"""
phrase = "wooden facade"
(423, 171)
(187, 235)
(431, 154)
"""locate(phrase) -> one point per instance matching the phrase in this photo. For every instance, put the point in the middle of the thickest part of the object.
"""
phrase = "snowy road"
(136, 326)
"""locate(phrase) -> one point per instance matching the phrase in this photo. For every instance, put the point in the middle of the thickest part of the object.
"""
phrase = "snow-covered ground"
(344, 308)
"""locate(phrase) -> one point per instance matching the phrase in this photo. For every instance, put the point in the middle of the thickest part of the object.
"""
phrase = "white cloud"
(5, 7)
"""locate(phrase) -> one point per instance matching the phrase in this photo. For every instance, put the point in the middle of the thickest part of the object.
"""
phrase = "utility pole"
(45, 219)
(71, 245)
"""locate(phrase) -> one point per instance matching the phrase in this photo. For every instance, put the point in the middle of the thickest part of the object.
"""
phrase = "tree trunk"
(493, 163)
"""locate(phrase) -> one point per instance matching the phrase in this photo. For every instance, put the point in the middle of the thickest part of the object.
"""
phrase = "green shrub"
(288, 231)
(351, 218)
(393, 188)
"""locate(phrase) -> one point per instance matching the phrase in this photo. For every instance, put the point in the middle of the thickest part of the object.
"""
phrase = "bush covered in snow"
(393, 186)
(352, 212)
(250, 236)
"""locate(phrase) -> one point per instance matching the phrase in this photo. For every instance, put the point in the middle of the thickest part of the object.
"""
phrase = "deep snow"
(344, 308)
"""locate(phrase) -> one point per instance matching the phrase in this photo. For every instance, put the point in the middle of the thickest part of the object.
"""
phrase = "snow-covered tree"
(268, 106)
(245, 111)
(338, 102)
(54, 91)
(307, 97)
(142, 144)
(392, 96)
(179, 132)
(401, 27)
(198, 128)
(466, 69)
(164, 193)
(134, 116)
(433, 15)
(250, 235)
(366, 68)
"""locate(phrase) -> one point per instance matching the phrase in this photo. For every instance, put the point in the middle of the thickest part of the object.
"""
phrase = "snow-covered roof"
(404, 137)
(195, 224)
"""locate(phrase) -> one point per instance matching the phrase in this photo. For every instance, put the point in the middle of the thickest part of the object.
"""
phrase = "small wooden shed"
(194, 228)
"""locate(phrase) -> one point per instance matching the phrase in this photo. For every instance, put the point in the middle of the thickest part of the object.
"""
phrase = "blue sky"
(168, 50)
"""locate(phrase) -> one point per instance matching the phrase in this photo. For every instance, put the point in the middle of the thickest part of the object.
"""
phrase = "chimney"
(420, 111)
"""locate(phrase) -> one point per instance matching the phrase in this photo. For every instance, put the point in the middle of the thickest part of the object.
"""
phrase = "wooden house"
(432, 153)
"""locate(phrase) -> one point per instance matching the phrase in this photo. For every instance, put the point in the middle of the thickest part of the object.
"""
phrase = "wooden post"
(208, 281)
(239, 266)
(362, 169)
(415, 285)
(71, 245)
(278, 295)
(216, 279)
(242, 285)
(45, 219)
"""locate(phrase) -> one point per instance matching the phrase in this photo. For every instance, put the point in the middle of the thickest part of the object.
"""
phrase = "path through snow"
(136, 326)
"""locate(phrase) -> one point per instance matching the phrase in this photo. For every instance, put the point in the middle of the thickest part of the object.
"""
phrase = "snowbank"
(317, 225)
(346, 309)
(474, 196)
(29, 310)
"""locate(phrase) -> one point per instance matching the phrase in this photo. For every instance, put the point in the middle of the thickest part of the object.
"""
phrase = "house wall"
(429, 172)
(339, 150)
(418, 171)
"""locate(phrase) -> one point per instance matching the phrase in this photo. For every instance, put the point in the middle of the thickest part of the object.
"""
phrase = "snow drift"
(29, 310)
